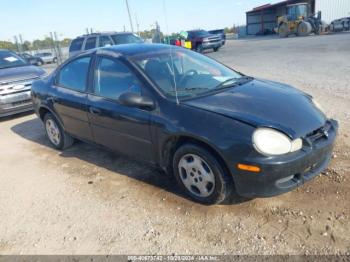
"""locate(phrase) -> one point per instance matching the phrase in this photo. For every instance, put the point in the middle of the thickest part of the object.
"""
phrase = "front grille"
(321, 133)
(15, 87)
(23, 102)
(28, 78)
(214, 40)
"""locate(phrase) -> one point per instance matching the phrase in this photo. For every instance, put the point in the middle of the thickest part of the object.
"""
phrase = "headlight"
(317, 104)
(271, 142)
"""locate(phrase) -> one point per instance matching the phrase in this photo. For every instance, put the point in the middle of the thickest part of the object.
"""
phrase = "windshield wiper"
(194, 88)
(233, 82)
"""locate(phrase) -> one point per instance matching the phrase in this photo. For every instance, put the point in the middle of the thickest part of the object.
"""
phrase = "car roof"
(135, 49)
(196, 30)
(131, 49)
(104, 33)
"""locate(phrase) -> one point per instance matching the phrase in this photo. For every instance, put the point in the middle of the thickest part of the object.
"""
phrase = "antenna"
(171, 52)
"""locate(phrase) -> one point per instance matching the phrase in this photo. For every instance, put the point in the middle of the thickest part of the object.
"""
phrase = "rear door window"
(90, 43)
(76, 44)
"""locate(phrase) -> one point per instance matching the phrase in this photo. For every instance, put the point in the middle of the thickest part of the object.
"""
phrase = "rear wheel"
(55, 60)
(200, 175)
(283, 30)
(58, 138)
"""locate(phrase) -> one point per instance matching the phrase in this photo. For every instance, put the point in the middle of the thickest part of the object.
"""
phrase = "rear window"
(90, 43)
(76, 44)
(126, 39)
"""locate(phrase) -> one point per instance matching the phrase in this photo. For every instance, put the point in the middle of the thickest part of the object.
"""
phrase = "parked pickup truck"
(221, 33)
(202, 40)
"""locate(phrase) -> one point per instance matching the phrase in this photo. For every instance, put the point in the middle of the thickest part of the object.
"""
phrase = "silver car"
(16, 77)
(47, 57)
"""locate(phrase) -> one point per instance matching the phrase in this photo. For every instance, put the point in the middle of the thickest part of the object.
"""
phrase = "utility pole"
(16, 42)
(58, 48)
(127, 7)
(137, 25)
(20, 42)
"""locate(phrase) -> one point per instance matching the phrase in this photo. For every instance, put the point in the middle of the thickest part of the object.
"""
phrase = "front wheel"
(200, 175)
(58, 138)
(199, 48)
(216, 49)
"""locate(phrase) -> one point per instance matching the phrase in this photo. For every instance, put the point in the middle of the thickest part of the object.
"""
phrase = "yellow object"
(249, 168)
(188, 44)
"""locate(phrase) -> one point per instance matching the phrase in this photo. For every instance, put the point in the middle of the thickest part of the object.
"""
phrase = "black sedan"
(215, 129)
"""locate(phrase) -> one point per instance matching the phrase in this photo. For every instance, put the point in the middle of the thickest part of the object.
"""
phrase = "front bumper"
(285, 173)
(209, 45)
(15, 103)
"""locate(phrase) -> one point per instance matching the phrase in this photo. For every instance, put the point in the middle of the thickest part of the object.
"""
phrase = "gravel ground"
(88, 201)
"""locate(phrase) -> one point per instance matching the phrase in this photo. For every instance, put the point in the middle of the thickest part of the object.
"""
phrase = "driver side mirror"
(136, 100)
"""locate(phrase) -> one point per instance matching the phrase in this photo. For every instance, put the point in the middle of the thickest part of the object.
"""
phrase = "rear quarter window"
(76, 45)
(90, 43)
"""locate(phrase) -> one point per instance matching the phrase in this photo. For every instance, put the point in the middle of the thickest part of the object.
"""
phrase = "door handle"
(95, 111)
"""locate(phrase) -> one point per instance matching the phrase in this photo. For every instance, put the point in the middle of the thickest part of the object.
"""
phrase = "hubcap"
(196, 175)
(53, 132)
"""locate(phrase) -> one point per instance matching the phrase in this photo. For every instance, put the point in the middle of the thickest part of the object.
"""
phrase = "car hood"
(265, 103)
(14, 74)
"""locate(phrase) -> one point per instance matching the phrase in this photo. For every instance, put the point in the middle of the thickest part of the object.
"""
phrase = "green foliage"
(149, 34)
(7, 45)
(36, 44)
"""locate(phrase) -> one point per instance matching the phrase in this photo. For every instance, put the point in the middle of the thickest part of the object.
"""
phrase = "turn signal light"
(249, 168)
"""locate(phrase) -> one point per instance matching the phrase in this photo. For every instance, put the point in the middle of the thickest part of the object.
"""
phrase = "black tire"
(216, 49)
(39, 63)
(199, 48)
(65, 140)
(223, 182)
(55, 60)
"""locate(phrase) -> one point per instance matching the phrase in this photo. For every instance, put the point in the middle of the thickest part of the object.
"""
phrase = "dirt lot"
(89, 201)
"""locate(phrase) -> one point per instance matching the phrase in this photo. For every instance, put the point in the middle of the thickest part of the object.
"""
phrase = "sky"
(35, 19)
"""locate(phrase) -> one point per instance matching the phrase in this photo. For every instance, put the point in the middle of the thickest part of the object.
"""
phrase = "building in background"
(263, 19)
(333, 9)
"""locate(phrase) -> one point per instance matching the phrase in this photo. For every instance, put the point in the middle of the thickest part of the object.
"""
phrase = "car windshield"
(186, 74)
(126, 39)
(200, 33)
(9, 59)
